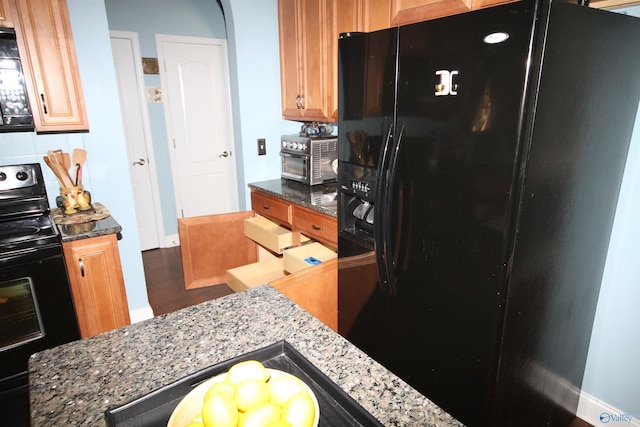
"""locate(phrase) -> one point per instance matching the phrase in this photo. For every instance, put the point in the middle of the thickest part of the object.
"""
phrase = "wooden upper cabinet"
(610, 4)
(410, 11)
(344, 17)
(6, 19)
(48, 57)
(309, 31)
(303, 26)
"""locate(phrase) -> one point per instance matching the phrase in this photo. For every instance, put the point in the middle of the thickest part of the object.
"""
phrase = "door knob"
(140, 162)
(225, 154)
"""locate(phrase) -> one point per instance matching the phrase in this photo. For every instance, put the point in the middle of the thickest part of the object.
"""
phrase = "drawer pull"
(266, 207)
(317, 227)
(81, 264)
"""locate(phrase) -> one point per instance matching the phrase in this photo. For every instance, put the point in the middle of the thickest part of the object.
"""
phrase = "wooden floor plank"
(165, 283)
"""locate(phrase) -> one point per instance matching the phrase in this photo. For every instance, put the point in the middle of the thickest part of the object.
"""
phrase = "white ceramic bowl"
(191, 405)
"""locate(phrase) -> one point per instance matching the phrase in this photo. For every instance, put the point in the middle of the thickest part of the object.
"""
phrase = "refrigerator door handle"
(387, 207)
(378, 234)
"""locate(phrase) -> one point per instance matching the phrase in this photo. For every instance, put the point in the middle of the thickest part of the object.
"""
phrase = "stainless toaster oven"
(310, 160)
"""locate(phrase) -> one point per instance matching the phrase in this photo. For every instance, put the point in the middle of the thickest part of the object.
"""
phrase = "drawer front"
(275, 209)
(316, 225)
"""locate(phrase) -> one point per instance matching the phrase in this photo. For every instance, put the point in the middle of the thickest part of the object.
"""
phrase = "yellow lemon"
(219, 410)
(249, 393)
(221, 387)
(247, 370)
(299, 411)
(279, 423)
(260, 415)
(194, 424)
(282, 388)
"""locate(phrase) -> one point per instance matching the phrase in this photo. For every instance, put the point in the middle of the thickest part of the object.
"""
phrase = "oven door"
(296, 166)
(36, 306)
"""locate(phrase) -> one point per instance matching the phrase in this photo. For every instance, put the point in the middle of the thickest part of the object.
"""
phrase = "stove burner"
(25, 219)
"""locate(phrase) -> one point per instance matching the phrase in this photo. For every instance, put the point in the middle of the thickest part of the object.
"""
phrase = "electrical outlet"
(262, 146)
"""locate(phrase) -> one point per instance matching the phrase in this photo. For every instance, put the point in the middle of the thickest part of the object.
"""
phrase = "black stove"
(36, 306)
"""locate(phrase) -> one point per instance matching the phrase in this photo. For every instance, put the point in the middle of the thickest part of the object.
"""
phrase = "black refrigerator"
(480, 161)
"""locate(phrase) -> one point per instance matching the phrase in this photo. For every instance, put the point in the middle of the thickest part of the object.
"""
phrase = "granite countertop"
(75, 383)
(321, 197)
(85, 226)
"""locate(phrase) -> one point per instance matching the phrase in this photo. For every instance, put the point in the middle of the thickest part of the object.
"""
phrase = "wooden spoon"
(53, 167)
(63, 175)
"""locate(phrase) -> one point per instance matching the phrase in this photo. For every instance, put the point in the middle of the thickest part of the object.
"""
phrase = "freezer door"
(460, 96)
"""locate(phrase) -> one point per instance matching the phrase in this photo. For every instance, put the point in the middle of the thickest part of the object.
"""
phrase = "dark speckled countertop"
(71, 230)
(321, 197)
(75, 383)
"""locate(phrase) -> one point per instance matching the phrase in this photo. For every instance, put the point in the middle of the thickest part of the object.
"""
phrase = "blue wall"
(106, 173)
(250, 28)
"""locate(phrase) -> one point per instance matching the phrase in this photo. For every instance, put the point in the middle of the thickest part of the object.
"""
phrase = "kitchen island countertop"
(75, 383)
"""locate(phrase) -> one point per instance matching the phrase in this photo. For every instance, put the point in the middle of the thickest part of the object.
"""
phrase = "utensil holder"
(75, 199)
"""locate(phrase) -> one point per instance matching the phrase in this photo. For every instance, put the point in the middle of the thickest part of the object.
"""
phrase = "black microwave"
(14, 103)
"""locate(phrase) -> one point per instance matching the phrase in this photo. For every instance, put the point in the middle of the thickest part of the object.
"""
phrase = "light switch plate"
(154, 94)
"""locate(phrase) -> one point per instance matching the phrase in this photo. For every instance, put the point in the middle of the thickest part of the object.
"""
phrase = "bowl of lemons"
(248, 395)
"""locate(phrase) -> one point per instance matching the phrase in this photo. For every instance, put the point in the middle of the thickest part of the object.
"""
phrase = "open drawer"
(305, 256)
(256, 274)
(270, 235)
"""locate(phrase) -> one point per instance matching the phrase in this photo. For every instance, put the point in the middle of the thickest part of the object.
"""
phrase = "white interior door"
(195, 82)
(127, 61)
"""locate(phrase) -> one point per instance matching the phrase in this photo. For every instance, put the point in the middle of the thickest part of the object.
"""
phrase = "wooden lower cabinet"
(211, 245)
(97, 284)
(315, 289)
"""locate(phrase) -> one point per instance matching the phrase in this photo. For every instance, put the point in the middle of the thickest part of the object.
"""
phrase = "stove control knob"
(3, 176)
(22, 176)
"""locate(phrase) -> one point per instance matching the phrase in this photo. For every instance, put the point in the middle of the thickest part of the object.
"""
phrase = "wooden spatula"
(78, 158)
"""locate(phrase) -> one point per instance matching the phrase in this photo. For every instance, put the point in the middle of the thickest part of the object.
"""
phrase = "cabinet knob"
(266, 207)
(81, 264)
(317, 227)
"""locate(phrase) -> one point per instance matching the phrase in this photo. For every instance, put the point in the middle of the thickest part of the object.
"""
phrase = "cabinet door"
(289, 21)
(409, 11)
(97, 284)
(210, 245)
(304, 27)
(6, 19)
(49, 61)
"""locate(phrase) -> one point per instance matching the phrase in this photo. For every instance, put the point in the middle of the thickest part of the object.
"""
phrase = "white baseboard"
(141, 314)
(600, 414)
(169, 241)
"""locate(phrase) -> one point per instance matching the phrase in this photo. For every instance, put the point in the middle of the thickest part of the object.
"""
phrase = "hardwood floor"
(165, 286)
(165, 283)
